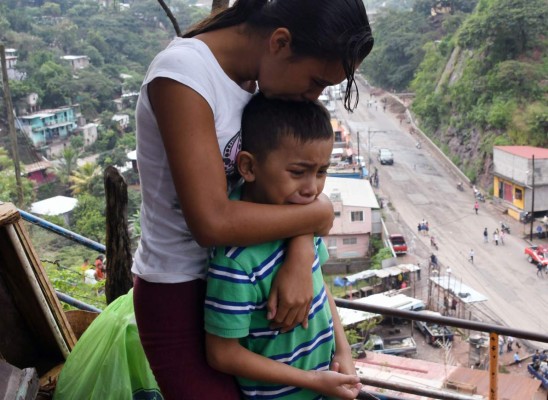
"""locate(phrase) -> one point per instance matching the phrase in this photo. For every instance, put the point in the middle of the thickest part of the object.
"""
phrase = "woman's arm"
(228, 356)
(186, 123)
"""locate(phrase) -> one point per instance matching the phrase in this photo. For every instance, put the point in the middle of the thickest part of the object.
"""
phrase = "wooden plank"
(8, 214)
(45, 286)
(34, 330)
(25, 336)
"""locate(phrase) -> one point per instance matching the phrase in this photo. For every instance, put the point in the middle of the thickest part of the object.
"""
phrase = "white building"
(357, 216)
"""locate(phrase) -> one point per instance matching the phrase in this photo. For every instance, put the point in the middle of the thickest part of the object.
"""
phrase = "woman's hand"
(291, 292)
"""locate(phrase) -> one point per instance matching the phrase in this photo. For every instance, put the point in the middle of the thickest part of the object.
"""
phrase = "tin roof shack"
(516, 179)
(34, 330)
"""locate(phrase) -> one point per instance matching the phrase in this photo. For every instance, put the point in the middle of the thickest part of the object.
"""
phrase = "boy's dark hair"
(266, 121)
(325, 29)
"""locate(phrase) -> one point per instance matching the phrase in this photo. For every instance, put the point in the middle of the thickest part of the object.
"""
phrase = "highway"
(420, 186)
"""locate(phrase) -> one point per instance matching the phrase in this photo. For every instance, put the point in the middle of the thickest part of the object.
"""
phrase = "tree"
(89, 217)
(399, 39)
(66, 164)
(82, 179)
(8, 187)
(51, 9)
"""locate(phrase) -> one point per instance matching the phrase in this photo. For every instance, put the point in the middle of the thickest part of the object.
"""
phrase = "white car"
(385, 157)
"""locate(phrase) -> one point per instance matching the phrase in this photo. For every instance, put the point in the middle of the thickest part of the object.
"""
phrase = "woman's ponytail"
(238, 13)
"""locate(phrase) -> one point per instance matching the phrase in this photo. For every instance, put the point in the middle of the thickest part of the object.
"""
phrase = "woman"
(188, 122)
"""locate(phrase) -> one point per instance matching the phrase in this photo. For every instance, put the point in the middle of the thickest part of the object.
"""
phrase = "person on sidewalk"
(517, 360)
(485, 236)
(540, 269)
(476, 207)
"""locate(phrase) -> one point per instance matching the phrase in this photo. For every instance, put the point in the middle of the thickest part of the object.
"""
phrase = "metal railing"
(492, 329)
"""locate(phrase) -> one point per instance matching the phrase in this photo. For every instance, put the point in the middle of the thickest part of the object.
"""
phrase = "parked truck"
(433, 332)
(398, 346)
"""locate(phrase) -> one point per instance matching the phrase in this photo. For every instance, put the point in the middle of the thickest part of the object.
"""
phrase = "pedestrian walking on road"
(496, 237)
(434, 261)
(485, 236)
(517, 360)
(540, 269)
(509, 343)
(476, 207)
(471, 256)
(502, 235)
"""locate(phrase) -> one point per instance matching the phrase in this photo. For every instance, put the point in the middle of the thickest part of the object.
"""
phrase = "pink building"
(357, 216)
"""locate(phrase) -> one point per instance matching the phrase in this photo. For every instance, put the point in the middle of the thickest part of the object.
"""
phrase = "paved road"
(419, 186)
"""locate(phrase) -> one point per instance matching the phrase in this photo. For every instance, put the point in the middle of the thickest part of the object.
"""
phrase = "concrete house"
(515, 179)
(47, 126)
(357, 216)
(77, 62)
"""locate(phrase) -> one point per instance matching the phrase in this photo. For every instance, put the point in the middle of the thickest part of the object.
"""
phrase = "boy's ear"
(246, 165)
(280, 41)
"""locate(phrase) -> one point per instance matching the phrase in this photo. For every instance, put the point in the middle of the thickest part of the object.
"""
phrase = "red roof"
(525, 151)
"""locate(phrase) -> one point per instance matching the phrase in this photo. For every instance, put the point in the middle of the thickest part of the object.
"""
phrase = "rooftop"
(353, 192)
(54, 205)
(525, 151)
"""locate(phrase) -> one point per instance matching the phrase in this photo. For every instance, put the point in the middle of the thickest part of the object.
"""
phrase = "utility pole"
(369, 149)
(532, 198)
(358, 135)
(11, 126)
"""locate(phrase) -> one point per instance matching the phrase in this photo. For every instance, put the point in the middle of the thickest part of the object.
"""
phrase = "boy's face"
(294, 173)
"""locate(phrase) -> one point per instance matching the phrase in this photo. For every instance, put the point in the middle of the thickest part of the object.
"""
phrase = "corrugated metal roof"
(525, 151)
(432, 375)
(466, 293)
(37, 166)
(54, 205)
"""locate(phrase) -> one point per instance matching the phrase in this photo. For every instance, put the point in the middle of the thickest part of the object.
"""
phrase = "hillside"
(479, 78)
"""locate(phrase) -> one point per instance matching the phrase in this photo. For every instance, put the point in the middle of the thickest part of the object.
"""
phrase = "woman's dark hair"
(324, 29)
(265, 122)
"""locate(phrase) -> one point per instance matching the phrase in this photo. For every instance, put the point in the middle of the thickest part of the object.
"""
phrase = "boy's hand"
(343, 363)
(334, 384)
(291, 293)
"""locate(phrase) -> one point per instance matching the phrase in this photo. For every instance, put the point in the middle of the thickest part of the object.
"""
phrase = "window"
(519, 194)
(337, 214)
(356, 216)
(332, 243)
(351, 240)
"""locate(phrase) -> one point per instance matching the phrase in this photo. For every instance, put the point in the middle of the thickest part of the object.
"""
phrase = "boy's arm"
(228, 356)
(291, 292)
(343, 353)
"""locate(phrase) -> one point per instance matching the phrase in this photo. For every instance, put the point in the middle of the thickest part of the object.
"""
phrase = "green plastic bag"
(108, 362)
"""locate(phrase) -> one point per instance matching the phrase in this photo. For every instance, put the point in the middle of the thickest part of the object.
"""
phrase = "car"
(398, 243)
(537, 253)
(385, 156)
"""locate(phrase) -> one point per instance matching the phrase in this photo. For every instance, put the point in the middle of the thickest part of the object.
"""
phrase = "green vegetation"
(117, 40)
(478, 74)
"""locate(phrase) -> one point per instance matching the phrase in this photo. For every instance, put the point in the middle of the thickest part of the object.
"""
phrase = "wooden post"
(493, 365)
(119, 260)
(11, 127)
